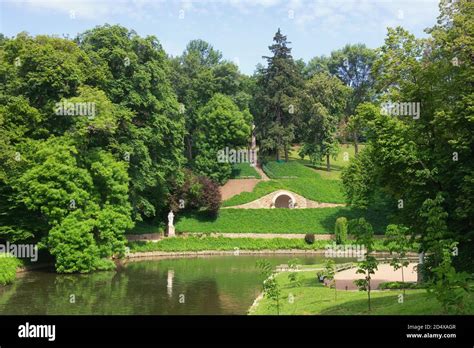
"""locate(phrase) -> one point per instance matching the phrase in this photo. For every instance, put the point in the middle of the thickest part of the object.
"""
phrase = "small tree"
(399, 243)
(271, 289)
(364, 234)
(449, 287)
(340, 230)
(329, 273)
(293, 276)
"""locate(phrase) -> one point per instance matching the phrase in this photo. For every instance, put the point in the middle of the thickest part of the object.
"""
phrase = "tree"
(137, 78)
(320, 108)
(364, 236)
(279, 84)
(219, 124)
(340, 230)
(271, 288)
(329, 273)
(399, 243)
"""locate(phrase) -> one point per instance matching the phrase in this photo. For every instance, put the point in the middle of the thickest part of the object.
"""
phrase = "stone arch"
(282, 200)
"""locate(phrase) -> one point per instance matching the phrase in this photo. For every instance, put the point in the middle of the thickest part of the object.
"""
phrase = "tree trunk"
(277, 154)
(356, 144)
(286, 154)
(368, 290)
(403, 281)
(328, 163)
(189, 148)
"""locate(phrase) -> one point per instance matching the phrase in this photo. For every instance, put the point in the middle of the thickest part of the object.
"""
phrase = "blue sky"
(241, 29)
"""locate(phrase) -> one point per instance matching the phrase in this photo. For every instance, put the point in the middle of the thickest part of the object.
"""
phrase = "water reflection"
(211, 285)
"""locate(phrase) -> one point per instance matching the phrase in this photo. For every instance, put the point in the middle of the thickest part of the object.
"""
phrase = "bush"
(398, 285)
(340, 230)
(309, 238)
(8, 266)
(197, 193)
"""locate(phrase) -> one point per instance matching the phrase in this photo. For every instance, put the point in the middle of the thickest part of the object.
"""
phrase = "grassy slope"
(295, 177)
(243, 171)
(192, 243)
(8, 266)
(275, 220)
(313, 298)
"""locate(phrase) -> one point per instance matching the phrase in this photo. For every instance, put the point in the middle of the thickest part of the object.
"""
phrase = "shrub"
(197, 193)
(8, 266)
(398, 285)
(340, 230)
(309, 238)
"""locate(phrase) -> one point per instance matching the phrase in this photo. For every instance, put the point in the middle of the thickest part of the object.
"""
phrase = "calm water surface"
(210, 285)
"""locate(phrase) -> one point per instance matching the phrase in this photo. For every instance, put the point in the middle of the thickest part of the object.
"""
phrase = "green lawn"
(222, 243)
(200, 243)
(314, 298)
(244, 171)
(318, 221)
(290, 169)
(145, 227)
(336, 164)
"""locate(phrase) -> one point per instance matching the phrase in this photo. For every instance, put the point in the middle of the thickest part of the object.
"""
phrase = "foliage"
(274, 220)
(450, 288)
(320, 108)
(196, 193)
(340, 230)
(278, 86)
(309, 238)
(8, 266)
(271, 289)
(219, 125)
(364, 234)
(329, 274)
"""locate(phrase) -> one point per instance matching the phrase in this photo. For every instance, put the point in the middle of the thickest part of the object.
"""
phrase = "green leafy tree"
(271, 288)
(364, 236)
(340, 230)
(399, 243)
(279, 84)
(320, 109)
(220, 124)
(329, 273)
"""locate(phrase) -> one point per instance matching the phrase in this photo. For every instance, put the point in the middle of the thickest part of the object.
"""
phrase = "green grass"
(290, 169)
(318, 221)
(244, 171)
(8, 266)
(195, 243)
(192, 243)
(327, 191)
(336, 164)
(145, 227)
(314, 298)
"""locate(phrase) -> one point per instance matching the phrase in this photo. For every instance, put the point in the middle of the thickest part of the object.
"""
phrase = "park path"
(384, 273)
(236, 186)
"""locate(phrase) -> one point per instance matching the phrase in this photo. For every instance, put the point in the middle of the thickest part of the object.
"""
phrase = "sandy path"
(385, 273)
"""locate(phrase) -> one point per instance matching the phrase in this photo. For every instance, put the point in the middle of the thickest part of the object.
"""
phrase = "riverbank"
(311, 297)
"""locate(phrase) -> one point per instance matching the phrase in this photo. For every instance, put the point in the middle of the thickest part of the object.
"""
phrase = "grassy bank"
(311, 297)
(193, 243)
(222, 243)
(244, 171)
(328, 191)
(8, 266)
(319, 221)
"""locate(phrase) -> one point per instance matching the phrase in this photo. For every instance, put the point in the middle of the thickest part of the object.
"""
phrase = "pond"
(204, 285)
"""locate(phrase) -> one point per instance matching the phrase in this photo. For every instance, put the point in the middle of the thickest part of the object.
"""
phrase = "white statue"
(170, 218)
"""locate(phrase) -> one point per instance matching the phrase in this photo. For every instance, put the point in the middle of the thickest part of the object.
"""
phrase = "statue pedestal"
(170, 231)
